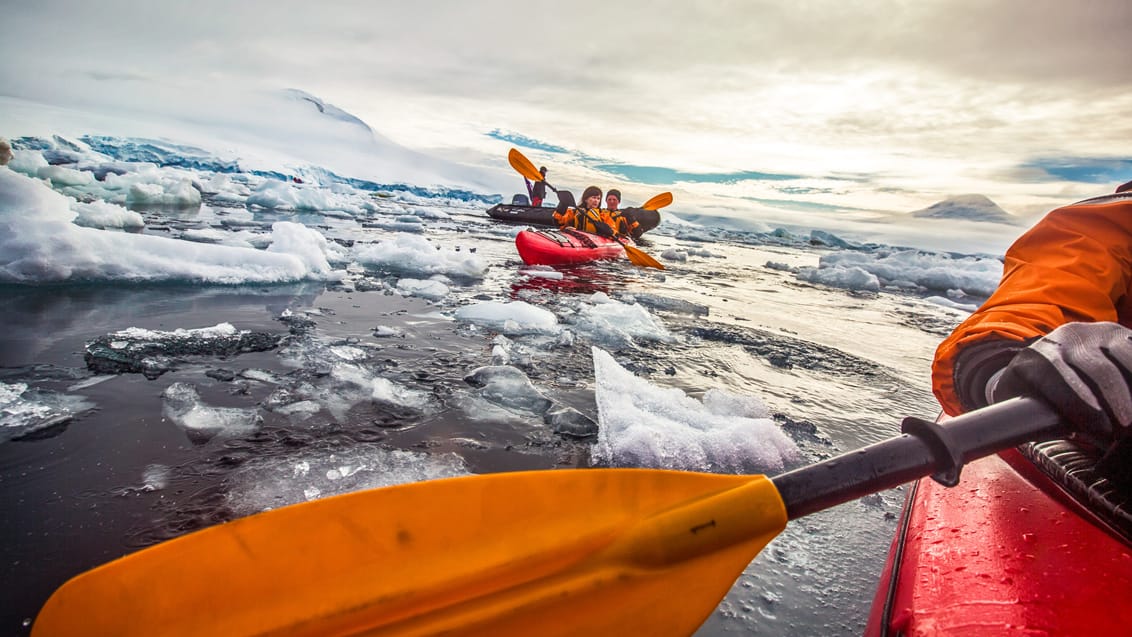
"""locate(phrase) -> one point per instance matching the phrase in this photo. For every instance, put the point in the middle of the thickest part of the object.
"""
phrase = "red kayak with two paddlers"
(565, 246)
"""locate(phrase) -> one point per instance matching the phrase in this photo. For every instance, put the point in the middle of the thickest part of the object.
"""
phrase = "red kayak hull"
(1003, 553)
(556, 247)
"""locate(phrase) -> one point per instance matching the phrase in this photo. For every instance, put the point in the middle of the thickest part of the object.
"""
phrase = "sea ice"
(200, 422)
(643, 425)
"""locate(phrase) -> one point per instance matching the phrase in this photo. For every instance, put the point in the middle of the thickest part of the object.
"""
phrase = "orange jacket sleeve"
(565, 218)
(1073, 265)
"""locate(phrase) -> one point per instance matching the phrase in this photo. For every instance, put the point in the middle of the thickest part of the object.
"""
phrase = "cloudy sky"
(745, 107)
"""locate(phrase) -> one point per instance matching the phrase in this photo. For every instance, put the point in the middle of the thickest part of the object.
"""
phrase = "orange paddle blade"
(641, 258)
(593, 552)
(658, 202)
(522, 165)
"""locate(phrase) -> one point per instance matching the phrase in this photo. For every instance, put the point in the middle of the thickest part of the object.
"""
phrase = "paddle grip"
(926, 448)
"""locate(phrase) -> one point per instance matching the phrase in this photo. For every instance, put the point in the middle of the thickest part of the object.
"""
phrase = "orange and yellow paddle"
(566, 552)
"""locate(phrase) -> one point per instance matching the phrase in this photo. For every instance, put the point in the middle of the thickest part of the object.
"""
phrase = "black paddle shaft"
(925, 448)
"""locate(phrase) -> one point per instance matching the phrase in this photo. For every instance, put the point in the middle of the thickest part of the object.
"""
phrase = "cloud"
(926, 97)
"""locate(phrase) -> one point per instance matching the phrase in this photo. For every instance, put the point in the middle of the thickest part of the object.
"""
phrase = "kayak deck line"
(1070, 469)
(1000, 555)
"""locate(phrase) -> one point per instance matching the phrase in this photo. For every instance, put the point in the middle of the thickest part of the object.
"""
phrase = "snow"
(40, 244)
(643, 425)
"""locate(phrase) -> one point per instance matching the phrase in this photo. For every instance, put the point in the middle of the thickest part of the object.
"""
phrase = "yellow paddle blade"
(658, 202)
(641, 258)
(523, 166)
(570, 552)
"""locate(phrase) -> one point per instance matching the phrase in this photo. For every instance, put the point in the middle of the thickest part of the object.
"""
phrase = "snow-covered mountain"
(967, 207)
(283, 130)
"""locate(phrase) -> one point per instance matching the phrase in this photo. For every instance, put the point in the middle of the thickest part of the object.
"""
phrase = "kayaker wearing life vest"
(588, 217)
(1057, 327)
(622, 225)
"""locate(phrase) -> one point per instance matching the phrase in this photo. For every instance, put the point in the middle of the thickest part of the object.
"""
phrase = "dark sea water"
(120, 475)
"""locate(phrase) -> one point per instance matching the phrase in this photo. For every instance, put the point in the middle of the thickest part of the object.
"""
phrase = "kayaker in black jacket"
(537, 190)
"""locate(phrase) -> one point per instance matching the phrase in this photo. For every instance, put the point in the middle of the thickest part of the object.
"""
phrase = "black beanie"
(615, 193)
(589, 192)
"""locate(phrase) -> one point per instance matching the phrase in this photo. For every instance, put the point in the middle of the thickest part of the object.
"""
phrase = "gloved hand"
(1083, 371)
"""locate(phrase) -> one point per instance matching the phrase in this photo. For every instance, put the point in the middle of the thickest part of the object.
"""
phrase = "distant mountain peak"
(329, 110)
(967, 207)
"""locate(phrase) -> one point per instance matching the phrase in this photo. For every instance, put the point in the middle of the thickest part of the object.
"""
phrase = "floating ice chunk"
(673, 254)
(281, 195)
(849, 278)
(945, 302)
(385, 331)
(648, 426)
(272, 482)
(27, 162)
(430, 213)
(24, 410)
(165, 192)
(518, 317)
(617, 324)
(508, 387)
(99, 214)
(60, 176)
(973, 275)
(724, 403)
(155, 477)
(307, 244)
(202, 423)
(414, 254)
(386, 391)
(427, 289)
(542, 272)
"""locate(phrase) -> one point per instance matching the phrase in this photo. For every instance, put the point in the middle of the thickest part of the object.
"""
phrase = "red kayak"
(1030, 544)
(565, 247)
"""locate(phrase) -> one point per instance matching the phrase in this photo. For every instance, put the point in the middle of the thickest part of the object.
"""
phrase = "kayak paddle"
(524, 167)
(559, 552)
(658, 202)
(638, 256)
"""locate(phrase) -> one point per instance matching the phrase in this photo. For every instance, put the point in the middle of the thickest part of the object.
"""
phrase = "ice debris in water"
(643, 425)
(200, 422)
(24, 410)
(430, 289)
(856, 270)
(42, 244)
(542, 272)
(271, 482)
(508, 387)
(155, 477)
(152, 353)
(617, 325)
(515, 318)
(413, 254)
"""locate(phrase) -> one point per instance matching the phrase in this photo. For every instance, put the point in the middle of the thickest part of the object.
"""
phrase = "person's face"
(611, 202)
(593, 201)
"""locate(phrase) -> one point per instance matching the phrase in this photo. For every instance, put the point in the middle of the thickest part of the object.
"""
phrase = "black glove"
(1083, 371)
(603, 229)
